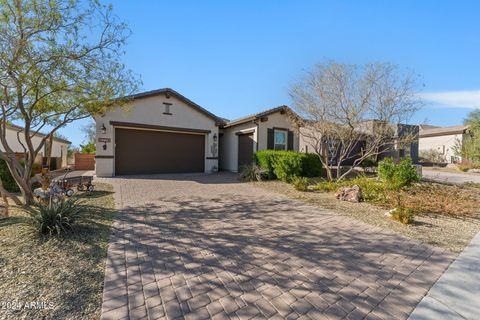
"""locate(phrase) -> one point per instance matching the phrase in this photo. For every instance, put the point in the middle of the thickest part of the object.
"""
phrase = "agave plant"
(251, 172)
(55, 218)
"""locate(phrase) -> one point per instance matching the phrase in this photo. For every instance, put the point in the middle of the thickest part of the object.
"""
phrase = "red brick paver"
(201, 247)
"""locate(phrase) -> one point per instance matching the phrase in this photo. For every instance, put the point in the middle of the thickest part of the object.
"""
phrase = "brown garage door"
(146, 152)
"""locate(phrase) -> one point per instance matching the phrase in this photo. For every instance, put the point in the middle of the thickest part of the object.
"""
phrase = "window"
(167, 108)
(280, 140)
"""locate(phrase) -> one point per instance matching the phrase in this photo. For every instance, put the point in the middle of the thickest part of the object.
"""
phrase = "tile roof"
(256, 116)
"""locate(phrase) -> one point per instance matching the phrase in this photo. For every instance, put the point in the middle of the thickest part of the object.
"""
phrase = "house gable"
(164, 111)
(262, 125)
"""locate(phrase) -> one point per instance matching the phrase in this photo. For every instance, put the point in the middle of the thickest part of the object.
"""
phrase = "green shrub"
(89, 148)
(8, 182)
(251, 172)
(301, 183)
(368, 162)
(311, 165)
(285, 165)
(403, 215)
(397, 176)
(264, 161)
(467, 165)
(36, 168)
(328, 186)
(55, 218)
(373, 190)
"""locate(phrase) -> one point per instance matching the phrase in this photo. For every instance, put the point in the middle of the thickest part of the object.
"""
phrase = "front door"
(245, 149)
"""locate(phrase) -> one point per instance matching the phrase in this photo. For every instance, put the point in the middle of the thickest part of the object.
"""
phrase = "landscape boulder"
(353, 194)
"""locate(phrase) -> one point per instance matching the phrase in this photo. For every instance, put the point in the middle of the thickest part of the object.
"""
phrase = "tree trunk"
(25, 188)
(23, 181)
(339, 171)
(50, 145)
(329, 173)
(328, 168)
(6, 194)
(28, 198)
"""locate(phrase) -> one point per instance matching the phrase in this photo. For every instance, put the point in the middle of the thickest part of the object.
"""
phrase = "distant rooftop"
(442, 131)
(20, 129)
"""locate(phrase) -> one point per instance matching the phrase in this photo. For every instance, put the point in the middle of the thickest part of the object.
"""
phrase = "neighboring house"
(16, 141)
(409, 149)
(443, 139)
(395, 150)
(162, 131)
(270, 129)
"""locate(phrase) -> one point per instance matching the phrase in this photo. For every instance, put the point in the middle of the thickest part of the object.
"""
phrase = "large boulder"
(353, 194)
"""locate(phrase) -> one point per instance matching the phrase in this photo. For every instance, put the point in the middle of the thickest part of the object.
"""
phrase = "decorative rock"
(474, 170)
(353, 194)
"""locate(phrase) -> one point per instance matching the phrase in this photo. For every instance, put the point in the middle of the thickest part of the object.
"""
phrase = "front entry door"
(245, 149)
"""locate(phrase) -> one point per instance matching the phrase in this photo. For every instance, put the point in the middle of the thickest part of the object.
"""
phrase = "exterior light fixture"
(105, 146)
(103, 128)
(215, 137)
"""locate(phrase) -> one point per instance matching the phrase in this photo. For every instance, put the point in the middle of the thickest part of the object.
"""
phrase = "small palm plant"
(55, 218)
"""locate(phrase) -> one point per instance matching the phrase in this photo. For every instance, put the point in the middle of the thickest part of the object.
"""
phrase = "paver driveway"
(206, 246)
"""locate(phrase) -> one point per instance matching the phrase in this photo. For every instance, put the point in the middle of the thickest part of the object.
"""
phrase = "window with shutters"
(280, 140)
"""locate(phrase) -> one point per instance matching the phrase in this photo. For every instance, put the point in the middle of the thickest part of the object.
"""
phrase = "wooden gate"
(84, 161)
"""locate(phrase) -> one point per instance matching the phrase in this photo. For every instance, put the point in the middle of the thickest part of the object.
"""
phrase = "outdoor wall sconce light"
(214, 137)
(104, 146)
(104, 130)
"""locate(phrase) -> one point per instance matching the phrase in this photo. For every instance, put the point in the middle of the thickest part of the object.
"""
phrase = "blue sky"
(240, 57)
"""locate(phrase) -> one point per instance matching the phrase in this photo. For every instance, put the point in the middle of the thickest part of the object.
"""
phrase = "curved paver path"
(206, 246)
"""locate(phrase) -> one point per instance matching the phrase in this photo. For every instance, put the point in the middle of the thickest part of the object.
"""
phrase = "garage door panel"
(148, 152)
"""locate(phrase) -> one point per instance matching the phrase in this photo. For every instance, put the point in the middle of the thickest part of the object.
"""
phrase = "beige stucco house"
(16, 141)
(443, 139)
(162, 131)
(270, 129)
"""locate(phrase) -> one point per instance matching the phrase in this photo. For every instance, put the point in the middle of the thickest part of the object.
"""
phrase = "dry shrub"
(403, 215)
(442, 199)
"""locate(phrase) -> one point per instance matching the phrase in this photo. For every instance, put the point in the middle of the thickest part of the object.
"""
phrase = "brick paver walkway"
(200, 247)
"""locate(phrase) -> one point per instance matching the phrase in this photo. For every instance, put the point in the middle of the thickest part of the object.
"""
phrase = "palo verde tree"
(469, 146)
(354, 112)
(59, 62)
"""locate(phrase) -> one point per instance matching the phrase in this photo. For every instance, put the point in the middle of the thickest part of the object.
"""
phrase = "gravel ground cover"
(453, 233)
(56, 278)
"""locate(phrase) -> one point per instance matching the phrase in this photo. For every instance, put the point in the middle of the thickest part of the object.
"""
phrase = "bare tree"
(353, 112)
(90, 131)
(59, 62)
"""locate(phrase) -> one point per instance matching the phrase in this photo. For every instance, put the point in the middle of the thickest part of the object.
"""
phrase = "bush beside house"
(287, 165)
